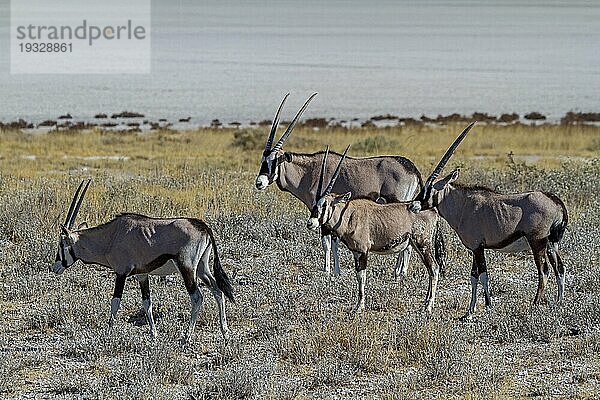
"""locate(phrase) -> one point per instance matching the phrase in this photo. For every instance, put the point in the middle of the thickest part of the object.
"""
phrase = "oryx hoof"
(185, 341)
(108, 330)
(400, 273)
(226, 333)
(358, 309)
(429, 309)
(468, 317)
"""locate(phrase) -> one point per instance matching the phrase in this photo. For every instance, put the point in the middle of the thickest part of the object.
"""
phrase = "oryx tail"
(557, 230)
(220, 275)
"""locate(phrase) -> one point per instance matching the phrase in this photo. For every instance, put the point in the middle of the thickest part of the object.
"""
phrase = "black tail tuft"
(557, 230)
(221, 277)
(440, 248)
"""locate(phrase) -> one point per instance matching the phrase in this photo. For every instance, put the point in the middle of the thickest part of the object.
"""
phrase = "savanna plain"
(293, 333)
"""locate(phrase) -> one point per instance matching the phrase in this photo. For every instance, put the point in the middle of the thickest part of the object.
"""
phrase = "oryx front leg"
(335, 243)
(326, 241)
(474, 282)
(115, 303)
(479, 272)
(360, 266)
(147, 301)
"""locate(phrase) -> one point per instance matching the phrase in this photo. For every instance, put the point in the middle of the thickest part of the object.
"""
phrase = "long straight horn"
(444, 160)
(322, 175)
(274, 126)
(289, 129)
(72, 206)
(337, 172)
(76, 210)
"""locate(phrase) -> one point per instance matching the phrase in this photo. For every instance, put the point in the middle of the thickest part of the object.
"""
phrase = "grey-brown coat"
(137, 245)
(365, 226)
(485, 219)
(387, 179)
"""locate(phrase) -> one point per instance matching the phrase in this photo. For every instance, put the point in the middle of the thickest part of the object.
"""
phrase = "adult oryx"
(486, 219)
(387, 179)
(133, 244)
(365, 226)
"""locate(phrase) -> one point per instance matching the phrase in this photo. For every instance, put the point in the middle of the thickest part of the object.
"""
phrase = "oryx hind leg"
(205, 274)
(559, 268)
(539, 255)
(188, 272)
(425, 251)
(144, 281)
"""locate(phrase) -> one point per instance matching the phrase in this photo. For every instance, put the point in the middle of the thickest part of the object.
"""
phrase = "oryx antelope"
(485, 219)
(136, 245)
(387, 179)
(366, 226)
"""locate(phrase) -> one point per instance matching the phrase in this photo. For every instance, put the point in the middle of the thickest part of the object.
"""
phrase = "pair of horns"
(329, 187)
(445, 158)
(289, 129)
(76, 204)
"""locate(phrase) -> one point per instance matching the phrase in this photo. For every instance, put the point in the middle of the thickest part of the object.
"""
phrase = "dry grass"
(293, 336)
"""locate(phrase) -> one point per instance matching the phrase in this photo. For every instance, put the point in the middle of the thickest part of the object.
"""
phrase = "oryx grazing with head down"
(486, 219)
(366, 226)
(136, 245)
(386, 179)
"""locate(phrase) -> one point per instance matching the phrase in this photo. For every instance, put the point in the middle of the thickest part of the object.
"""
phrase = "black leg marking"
(482, 274)
(119, 286)
(145, 288)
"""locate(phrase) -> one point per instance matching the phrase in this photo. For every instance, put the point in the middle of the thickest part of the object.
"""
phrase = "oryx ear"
(442, 183)
(343, 198)
(84, 224)
(287, 157)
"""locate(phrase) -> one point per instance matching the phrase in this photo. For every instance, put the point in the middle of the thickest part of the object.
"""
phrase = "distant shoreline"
(135, 121)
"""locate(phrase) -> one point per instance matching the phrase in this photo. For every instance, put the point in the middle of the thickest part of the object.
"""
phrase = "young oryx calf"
(365, 226)
(485, 219)
(133, 244)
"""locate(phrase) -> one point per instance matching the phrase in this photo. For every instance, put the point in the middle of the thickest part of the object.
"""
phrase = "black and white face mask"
(65, 257)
